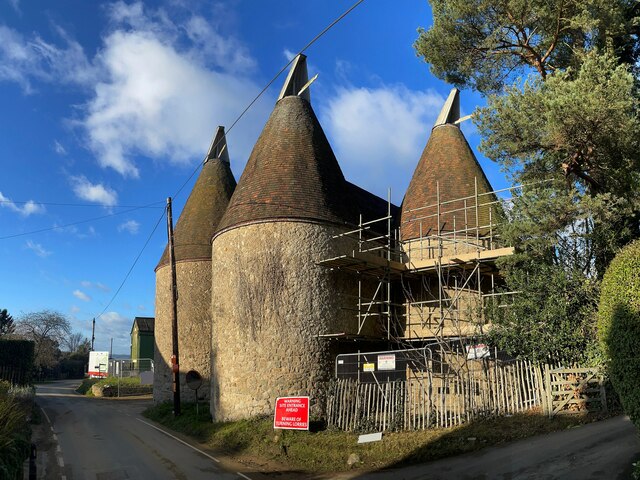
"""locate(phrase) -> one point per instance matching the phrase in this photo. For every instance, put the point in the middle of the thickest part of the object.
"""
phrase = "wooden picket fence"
(14, 375)
(480, 389)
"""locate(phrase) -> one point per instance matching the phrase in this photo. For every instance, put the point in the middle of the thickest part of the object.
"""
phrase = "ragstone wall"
(194, 328)
(270, 301)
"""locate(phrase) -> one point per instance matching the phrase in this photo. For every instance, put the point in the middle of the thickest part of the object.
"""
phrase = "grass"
(328, 450)
(85, 387)
(16, 404)
(128, 386)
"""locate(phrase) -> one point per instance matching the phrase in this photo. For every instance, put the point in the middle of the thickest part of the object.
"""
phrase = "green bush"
(619, 326)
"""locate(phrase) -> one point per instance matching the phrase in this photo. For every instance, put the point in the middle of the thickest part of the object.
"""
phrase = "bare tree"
(48, 329)
(76, 342)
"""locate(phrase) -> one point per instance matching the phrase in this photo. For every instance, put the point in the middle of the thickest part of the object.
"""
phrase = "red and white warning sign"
(292, 413)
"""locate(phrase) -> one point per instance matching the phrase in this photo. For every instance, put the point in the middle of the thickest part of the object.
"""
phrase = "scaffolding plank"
(460, 259)
(365, 263)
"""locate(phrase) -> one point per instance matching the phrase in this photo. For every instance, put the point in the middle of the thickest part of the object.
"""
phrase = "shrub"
(619, 326)
(14, 436)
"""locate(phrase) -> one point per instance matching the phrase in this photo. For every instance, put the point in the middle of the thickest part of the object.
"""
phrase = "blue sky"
(108, 107)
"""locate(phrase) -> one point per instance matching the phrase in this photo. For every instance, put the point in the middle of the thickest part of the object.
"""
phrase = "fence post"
(549, 392)
(603, 395)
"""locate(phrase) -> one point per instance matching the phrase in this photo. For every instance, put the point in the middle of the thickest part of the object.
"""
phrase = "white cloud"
(74, 309)
(130, 226)
(145, 107)
(28, 208)
(112, 325)
(75, 231)
(91, 192)
(158, 87)
(113, 319)
(15, 4)
(380, 131)
(59, 148)
(38, 249)
(211, 47)
(95, 285)
(80, 295)
(288, 54)
(24, 59)
(165, 87)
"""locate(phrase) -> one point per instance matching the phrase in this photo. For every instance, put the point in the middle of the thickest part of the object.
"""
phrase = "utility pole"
(93, 333)
(111, 350)
(175, 365)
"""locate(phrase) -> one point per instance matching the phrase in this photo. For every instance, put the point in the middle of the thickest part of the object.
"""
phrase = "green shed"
(142, 338)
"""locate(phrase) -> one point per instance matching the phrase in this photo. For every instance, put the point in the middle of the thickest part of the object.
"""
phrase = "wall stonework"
(270, 301)
(194, 328)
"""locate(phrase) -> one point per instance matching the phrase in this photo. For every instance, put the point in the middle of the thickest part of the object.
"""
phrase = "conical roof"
(447, 164)
(205, 206)
(291, 173)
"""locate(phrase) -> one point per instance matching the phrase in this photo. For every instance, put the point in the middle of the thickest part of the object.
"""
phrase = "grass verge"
(328, 450)
(85, 387)
(109, 386)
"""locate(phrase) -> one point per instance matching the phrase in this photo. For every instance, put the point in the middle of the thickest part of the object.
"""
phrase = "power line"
(266, 87)
(60, 227)
(58, 204)
(133, 265)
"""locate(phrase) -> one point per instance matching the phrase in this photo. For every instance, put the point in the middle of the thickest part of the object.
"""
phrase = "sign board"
(98, 364)
(292, 413)
(193, 379)
(476, 352)
(370, 437)
(387, 361)
(368, 367)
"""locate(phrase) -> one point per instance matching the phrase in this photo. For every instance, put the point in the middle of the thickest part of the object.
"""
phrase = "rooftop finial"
(218, 148)
(450, 112)
(296, 80)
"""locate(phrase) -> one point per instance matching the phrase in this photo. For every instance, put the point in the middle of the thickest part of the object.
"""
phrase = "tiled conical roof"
(447, 161)
(291, 173)
(205, 206)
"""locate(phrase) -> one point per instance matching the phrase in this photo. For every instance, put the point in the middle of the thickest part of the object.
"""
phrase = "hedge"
(16, 361)
(619, 326)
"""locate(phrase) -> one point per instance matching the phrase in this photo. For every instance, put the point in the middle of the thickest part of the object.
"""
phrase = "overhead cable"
(266, 87)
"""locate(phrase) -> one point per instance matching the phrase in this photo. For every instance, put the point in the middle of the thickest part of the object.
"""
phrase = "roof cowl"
(297, 80)
(450, 112)
(218, 147)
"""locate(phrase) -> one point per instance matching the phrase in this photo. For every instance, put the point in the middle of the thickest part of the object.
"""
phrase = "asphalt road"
(604, 451)
(98, 439)
(85, 438)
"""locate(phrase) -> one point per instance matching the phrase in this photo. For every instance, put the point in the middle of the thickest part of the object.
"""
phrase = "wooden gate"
(575, 390)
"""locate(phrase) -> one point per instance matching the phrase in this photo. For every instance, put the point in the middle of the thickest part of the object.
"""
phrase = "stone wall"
(194, 328)
(270, 301)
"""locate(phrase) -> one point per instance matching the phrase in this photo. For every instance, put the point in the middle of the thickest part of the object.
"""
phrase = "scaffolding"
(455, 262)
(376, 258)
(431, 287)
